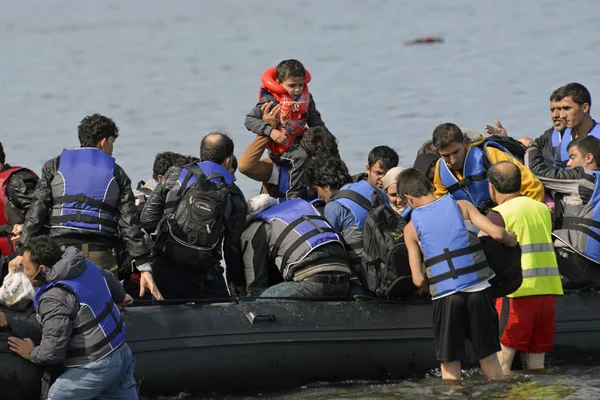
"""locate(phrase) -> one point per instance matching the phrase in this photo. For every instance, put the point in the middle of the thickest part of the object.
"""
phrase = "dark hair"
(427, 147)
(330, 172)
(505, 179)
(94, 128)
(43, 251)
(414, 183)
(577, 92)
(557, 94)
(216, 147)
(163, 161)
(386, 156)
(185, 160)
(2, 155)
(586, 145)
(234, 163)
(446, 134)
(318, 141)
(290, 69)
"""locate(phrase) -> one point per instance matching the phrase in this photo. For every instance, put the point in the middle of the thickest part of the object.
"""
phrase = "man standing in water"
(457, 273)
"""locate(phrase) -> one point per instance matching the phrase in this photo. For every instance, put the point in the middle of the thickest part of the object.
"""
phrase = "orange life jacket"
(6, 245)
(293, 114)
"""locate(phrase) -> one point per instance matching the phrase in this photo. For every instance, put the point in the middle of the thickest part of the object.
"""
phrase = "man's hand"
(147, 282)
(3, 320)
(16, 232)
(512, 240)
(270, 113)
(278, 136)
(22, 347)
(237, 290)
(526, 141)
(128, 300)
(497, 130)
(15, 264)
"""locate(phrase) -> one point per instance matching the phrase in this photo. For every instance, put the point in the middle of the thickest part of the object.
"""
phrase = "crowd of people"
(315, 231)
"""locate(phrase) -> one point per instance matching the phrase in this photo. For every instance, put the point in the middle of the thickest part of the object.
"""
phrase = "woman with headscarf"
(389, 186)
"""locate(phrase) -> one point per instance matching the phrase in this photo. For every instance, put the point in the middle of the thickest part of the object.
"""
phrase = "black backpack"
(516, 148)
(191, 234)
(385, 268)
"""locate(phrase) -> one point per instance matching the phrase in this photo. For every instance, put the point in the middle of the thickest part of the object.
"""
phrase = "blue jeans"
(110, 378)
(306, 289)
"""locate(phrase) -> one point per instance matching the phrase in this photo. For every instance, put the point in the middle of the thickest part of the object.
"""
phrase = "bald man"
(532, 314)
(193, 210)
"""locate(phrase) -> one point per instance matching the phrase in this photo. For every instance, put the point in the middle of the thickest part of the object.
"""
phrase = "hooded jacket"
(58, 308)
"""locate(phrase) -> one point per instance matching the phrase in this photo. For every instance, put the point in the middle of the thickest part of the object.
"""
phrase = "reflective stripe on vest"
(299, 230)
(532, 223)
(473, 187)
(98, 326)
(453, 255)
(85, 191)
(560, 143)
(579, 228)
(359, 205)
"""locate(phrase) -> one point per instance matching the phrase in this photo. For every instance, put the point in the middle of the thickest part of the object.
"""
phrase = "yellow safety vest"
(532, 223)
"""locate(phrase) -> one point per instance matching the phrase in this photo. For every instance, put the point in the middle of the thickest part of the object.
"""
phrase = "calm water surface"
(170, 72)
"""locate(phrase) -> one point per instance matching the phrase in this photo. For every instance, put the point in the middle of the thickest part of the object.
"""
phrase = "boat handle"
(255, 318)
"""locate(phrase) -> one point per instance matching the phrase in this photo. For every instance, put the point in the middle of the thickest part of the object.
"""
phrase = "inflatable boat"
(249, 346)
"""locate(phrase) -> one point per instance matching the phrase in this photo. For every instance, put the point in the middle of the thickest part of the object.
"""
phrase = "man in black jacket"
(182, 279)
(87, 201)
(16, 190)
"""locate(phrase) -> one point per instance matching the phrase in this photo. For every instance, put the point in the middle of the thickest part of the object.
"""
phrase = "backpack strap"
(193, 170)
(355, 197)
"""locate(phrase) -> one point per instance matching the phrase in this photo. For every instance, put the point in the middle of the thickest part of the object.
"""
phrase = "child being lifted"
(284, 111)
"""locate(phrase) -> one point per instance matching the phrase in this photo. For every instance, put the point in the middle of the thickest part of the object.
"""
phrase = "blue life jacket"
(453, 255)
(560, 143)
(98, 328)
(298, 229)
(473, 187)
(359, 205)
(85, 191)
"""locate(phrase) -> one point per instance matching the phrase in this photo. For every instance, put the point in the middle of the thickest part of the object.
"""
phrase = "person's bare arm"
(414, 256)
(470, 212)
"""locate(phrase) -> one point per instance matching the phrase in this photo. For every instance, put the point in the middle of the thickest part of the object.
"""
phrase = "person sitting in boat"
(292, 241)
(457, 273)
(391, 189)
(532, 307)
(77, 304)
(548, 141)
(16, 194)
(86, 198)
(462, 169)
(577, 194)
(191, 212)
(284, 95)
(381, 159)
(426, 163)
(316, 141)
(162, 162)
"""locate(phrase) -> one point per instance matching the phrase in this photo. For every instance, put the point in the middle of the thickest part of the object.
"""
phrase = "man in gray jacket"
(78, 305)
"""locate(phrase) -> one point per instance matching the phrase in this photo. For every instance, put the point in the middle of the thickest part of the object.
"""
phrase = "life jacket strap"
(453, 274)
(79, 217)
(301, 240)
(449, 255)
(355, 197)
(464, 183)
(82, 199)
(582, 225)
(286, 231)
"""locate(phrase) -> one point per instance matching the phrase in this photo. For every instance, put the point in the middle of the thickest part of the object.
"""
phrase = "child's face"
(294, 86)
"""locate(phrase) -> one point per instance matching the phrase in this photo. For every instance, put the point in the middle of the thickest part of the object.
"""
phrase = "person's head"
(218, 148)
(584, 152)
(413, 186)
(575, 102)
(162, 162)
(233, 166)
(381, 160)
(391, 188)
(427, 147)
(426, 163)
(2, 155)
(182, 161)
(291, 75)
(98, 131)
(327, 176)
(557, 121)
(40, 255)
(504, 179)
(451, 144)
(318, 141)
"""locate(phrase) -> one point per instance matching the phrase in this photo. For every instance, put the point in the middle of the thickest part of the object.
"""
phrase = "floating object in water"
(424, 40)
